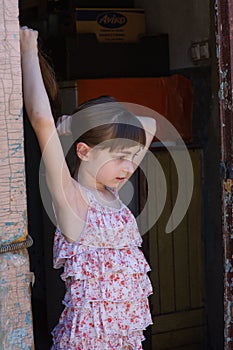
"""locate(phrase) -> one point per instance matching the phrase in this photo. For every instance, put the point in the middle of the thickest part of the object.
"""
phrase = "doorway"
(206, 320)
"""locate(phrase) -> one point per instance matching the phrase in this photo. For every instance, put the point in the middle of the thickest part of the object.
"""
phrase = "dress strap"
(113, 191)
(93, 200)
(90, 195)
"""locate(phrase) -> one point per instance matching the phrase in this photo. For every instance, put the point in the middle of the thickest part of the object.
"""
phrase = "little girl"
(97, 239)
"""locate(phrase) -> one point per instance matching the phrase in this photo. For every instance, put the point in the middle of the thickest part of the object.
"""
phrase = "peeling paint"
(16, 320)
(225, 89)
(21, 112)
(224, 52)
(16, 330)
(228, 266)
(228, 315)
(28, 318)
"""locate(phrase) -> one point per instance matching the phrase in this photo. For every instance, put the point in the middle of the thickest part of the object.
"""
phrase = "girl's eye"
(128, 157)
(135, 155)
(119, 157)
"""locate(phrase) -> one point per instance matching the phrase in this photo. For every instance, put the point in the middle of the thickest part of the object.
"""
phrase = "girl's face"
(111, 168)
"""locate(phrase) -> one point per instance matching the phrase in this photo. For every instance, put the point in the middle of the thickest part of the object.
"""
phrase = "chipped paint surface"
(15, 315)
(225, 91)
(224, 43)
(12, 174)
(15, 297)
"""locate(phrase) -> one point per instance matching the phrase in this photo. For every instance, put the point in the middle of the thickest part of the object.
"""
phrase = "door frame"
(224, 46)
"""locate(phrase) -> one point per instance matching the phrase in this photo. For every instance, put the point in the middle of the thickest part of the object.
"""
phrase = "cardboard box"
(111, 25)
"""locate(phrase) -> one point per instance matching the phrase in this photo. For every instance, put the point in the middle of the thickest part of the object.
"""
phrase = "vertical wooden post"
(15, 302)
(224, 22)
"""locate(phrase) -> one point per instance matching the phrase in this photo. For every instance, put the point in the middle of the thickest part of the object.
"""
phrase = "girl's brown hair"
(50, 83)
(102, 119)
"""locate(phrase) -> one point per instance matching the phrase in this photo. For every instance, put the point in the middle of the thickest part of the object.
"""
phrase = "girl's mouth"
(120, 179)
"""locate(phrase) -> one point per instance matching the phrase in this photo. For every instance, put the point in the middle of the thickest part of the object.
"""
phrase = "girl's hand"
(28, 40)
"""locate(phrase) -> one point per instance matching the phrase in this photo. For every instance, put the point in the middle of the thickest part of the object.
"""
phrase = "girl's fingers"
(28, 39)
(26, 30)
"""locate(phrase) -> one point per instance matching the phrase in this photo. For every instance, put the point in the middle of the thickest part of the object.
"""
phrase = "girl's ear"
(82, 150)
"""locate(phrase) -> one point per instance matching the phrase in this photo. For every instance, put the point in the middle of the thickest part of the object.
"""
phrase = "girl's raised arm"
(40, 115)
(147, 117)
(149, 125)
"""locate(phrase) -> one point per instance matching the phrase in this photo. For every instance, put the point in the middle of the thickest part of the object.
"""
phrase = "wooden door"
(177, 273)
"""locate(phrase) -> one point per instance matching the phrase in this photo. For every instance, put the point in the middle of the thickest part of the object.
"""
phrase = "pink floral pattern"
(107, 286)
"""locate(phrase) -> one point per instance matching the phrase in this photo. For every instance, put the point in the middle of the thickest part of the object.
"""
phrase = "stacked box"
(111, 24)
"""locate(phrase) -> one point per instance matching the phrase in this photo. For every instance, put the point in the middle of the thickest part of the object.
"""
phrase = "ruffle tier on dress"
(107, 286)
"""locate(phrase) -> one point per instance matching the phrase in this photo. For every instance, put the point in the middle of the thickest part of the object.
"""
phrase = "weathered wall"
(12, 189)
(184, 21)
(15, 308)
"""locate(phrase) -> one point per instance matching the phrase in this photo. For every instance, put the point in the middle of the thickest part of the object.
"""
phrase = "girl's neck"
(104, 196)
(85, 181)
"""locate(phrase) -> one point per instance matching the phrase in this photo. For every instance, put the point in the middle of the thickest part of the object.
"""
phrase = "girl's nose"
(129, 166)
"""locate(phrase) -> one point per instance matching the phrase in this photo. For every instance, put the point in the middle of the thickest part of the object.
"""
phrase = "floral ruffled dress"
(107, 286)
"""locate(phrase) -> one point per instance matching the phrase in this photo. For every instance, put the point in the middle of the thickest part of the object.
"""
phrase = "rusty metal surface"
(224, 37)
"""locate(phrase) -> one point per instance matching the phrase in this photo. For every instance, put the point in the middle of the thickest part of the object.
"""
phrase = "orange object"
(172, 97)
